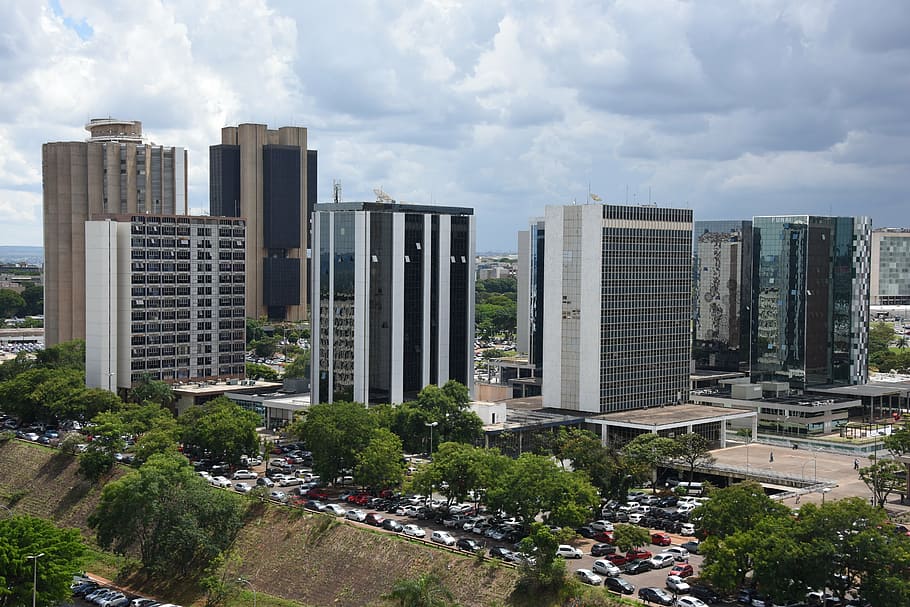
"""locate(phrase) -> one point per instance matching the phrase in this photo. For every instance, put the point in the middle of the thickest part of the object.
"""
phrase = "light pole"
(34, 558)
(241, 580)
(431, 425)
(825, 491)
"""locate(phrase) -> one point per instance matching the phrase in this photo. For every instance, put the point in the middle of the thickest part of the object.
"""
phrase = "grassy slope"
(305, 558)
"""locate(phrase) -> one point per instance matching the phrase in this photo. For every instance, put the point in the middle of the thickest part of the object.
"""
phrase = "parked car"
(690, 601)
(601, 525)
(220, 481)
(498, 552)
(264, 481)
(586, 532)
(677, 584)
(636, 567)
(279, 496)
(605, 567)
(704, 593)
(374, 519)
(683, 570)
(618, 559)
(242, 487)
(442, 537)
(661, 539)
(691, 546)
(391, 524)
(356, 515)
(315, 505)
(639, 554)
(569, 552)
(687, 529)
(588, 577)
(620, 585)
(468, 545)
(658, 596)
(335, 509)
(659, 561)
(290, 481)
(317, 494)
(414, 531)
(241, 475)
(678, 552)
(601, 549)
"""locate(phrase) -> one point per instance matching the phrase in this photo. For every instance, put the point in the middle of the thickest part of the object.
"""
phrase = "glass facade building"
(810, 300)
(890, 267)
(395, 285)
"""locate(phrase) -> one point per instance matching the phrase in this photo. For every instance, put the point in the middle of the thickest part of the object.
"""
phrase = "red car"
(660, 539)
(374, 519)
(683, 570)
(638, 554)
(603, 536)
(618, 559)
(317, 494)
(361, 499)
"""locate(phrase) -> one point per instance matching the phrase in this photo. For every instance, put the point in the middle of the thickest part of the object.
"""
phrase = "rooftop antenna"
(627, 193)
(381, 196)
(336, 191)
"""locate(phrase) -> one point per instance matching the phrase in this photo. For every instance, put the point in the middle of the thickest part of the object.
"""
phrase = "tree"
(464, 469)
(627, 537)
(335, 433)
(299, 368)
(427, 590)
(694, 450)
(265, 347)
(883, 478)
(650, 451)
(739, 507)
(898, 442)
(11, 303)
(152, 390)
(175, 521)
(107, 439)
(24, 394)
(881, 334)
(157, 440)
(260, 371)
(545, 572)
(33, 296)
(222, 428)
(380, 463)
(62, 550)
(66, 355)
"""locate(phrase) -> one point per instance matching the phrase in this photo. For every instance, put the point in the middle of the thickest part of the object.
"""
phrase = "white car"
(601, 525)
(442, 537)
(335, 509)
(636, 517)
(356, 515)
(690, 601)
(279, 496)
(677, 584)
(679, 553)
(605, 567)
(686, 508)
(290, 481)
(414, 531)
(658, 561)
(589, 577)
(568, 552)
(242, 475)
(264, 481)
(242, 487)
(687, 529)
(220, 481)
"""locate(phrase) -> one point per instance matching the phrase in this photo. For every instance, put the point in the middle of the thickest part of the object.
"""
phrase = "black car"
(602, 549)
(704, 593)
(617, 584)
(585, 531)
(498, 552)
(636, 567)
(391, 524)
(658, 596)
(468, 544)
(668, 501)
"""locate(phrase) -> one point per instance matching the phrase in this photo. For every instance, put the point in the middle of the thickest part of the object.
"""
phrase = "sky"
(732, 108)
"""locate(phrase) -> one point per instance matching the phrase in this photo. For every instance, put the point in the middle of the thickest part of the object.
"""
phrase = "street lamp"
(34, 558)
(825, 491)
(241, 580)
(431, 425)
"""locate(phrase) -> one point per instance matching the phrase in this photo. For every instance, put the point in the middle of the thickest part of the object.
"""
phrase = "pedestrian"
(797, 498)
(771, 457)
(855, 464)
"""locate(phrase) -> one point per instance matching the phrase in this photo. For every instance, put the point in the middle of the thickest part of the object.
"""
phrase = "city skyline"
(731, 110)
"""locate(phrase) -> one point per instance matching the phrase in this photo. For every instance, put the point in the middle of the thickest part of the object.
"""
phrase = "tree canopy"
(260, 371)
(380, 463)
(335, 433)
(222, 428)
(11, 303)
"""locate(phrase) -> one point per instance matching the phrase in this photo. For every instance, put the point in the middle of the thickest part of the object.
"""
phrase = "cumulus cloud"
(732, 108)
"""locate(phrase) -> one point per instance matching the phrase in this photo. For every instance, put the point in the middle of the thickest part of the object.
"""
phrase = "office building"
(722, 253)
(395, 290)
(113, 172)
(268, 177)
(617, 307)
(165, 297)
(810, 300)
(530, 292)
(890, 269)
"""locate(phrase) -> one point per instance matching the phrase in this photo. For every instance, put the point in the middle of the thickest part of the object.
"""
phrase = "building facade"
(268, 177)
(394, 285)
(722, 253)
(113, 172)
(890, 270)
(810, 300)
(165, 298)
(616, 307)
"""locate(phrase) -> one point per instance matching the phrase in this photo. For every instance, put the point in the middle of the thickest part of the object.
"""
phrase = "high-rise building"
(721, 296)
(530, 292)
(268, 177)
(113, 172)
(165, 297)
(393, 292)
(617, 307)
(810, 300)
(890, 271)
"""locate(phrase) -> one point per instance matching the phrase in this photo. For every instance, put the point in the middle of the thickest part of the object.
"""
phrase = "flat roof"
(392, 207)
(870, 389)
(221, 387)
(711, 373)
(671, 415)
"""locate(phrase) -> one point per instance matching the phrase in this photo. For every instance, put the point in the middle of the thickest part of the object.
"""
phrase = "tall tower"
(810, 300)
(395, 288)
(268, 177)
(890, 280)
(617, 307)
(113, 172)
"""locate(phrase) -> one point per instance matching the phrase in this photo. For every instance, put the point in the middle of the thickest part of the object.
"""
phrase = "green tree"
(739, 507)
(69, 355)
(254, 330)
(335, 433)
(175, 521)
(881, 334)
(260, 371)
(148, 389)
(265, 347)
(427, 590)
(11, 303)
(545, 572)
(222, 428)
(33, 295)
(13, 367)
(107, 439)
(627, 537)
(299, 368)
(380, 464)
(694, 450)
(883, 478)
(898, 442)
(61, 553)
(23, 394)
(608, 470)
(157, 440)
(650, 451)
(464, 469)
